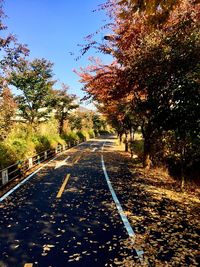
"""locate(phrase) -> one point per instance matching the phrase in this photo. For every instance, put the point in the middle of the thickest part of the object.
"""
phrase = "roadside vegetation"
(40, 116)
(25, 140)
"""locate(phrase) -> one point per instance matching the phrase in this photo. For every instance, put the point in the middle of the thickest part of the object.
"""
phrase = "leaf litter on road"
(165, 220)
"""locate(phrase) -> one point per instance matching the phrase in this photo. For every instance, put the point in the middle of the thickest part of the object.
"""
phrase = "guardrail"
(20, 168)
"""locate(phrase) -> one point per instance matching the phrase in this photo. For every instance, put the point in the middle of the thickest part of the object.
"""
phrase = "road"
(66, 215)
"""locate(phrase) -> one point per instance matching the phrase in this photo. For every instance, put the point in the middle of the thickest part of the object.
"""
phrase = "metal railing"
(20, 168)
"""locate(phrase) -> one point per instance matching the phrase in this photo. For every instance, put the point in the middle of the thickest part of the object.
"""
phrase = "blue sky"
(52, 29)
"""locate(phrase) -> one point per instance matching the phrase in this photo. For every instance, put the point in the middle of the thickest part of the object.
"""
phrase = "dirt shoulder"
(165, 220)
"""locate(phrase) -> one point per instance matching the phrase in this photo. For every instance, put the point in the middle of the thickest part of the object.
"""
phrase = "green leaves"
(63, 103)
(34, 80)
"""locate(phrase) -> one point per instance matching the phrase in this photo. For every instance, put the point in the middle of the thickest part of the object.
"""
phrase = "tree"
(7, 112)
(63, 103)
(11, 52)
(34, 80)
(156, 63)
(98, 123)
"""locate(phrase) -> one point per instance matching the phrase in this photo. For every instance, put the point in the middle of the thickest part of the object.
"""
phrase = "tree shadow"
(166, 227)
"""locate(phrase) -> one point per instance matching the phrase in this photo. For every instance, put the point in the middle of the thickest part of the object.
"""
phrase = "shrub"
(71, 138)
(104, 132)
(91, 133)
(7, 156)
(20, 142)
(83, 136)
(137, 146)
(48, 135)
(41, 143)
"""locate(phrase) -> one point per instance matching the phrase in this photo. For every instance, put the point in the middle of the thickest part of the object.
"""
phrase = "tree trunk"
(183, 167)
(61, 124)
(126, 142)
(120, 138)
(131, 134)
(131, 141)
(147, 151)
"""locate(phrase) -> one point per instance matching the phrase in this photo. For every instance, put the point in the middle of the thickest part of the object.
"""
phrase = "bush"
(54, 140)
(137, 146)
(41, 143)
(104, 132)
(71, 138)
(23, 142)
(82, 135)
(7, 156)
(91, 134)
(48, 134)
(20, 142)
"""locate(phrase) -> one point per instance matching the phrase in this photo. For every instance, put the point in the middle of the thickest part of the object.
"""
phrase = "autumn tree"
(62, 102)
(156, 49)
(7, 112)
(164, 67)
(11, 51)
(34, 80)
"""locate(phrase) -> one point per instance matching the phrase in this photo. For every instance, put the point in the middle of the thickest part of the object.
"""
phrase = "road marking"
(77, 159)
(125, 221)
(59, 164)
(63, 186)
(32, 174)
(66, 158)
(102, 148)
(28, 265)
(26, 179)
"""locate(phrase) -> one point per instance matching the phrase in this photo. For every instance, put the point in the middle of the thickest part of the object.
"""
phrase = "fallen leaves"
(164, 219)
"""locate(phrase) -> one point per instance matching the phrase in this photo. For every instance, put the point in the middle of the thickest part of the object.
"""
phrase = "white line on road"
(125, 221)
(63, 162)
(25, 180)
(66, 158)
(28, 177)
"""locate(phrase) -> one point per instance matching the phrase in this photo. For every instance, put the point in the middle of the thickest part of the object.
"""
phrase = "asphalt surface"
(81, 227)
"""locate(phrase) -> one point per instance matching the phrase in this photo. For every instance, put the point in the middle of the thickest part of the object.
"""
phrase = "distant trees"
(63, 103)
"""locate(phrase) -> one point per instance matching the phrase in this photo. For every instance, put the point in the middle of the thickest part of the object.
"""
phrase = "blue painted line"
(125, 221)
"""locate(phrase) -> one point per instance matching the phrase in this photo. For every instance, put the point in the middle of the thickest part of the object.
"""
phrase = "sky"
(54, 28)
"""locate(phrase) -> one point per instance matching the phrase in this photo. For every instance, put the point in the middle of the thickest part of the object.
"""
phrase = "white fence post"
(45, 155)
(30, 163)
(4, 176)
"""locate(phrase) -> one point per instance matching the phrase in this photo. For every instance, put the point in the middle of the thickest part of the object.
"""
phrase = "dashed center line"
(60, 192)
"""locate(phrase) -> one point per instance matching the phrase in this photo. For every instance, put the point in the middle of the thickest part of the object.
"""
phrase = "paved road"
(65, 216)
